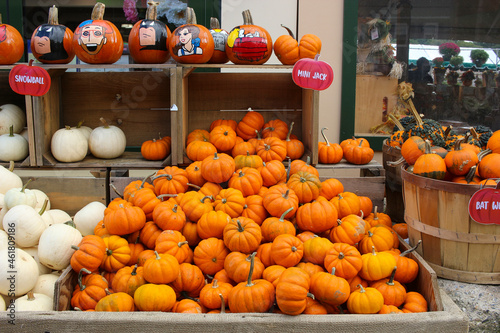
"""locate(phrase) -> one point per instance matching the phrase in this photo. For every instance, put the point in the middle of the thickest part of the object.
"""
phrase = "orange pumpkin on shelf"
(11, 44)
(52, 43)
(220, 39)
(191, 43)
(249, 44)
(148, 39)
(98, 41)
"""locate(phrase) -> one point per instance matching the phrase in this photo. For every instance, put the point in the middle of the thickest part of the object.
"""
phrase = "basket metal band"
(450, 235)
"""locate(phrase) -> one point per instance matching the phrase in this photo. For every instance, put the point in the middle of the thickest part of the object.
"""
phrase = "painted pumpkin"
(98, 41)
(148, 39)
(312, 73)
(52, 43)
(191, 43)
(11, 44)
(220, 39)
(249, 43)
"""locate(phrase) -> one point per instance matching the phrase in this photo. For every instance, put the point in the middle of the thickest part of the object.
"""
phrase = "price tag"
(29, 80)
(374, 33)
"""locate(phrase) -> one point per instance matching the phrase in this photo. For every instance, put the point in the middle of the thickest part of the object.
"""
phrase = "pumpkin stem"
(25, 185)
(116, 190)
(134, 271)
(324, 135)
(215, 284)
(157, 256)
(373, 251)
(103, 121)
(311, 295)
(222, 304)
(152, 11)
(53, 16)
(80, 276)
(31, 296)
(74, 247)
(214, 23)
(341, 255)
(44, 207)
(98, 11)
(190, 16)
(290, 130)
(247, 17)
(391, 279)
(207, 197)
(375, 213)
(193, 185)
(282, 218)
(180, 244)
(240, 227)
(333, 270)
(11, 130)
(361, 289)
(252, 264)
(11, 163)
(316, 57)
(289, 31)
(411, 250)
(395, 163)
(396, 122)
(414, 113)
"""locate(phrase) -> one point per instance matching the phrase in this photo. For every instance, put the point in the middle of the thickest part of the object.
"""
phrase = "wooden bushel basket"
(454, 245)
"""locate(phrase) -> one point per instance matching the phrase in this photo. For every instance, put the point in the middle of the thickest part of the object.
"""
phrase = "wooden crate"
(132, 97)
(364, 180)
(8, 96)
(204, 97)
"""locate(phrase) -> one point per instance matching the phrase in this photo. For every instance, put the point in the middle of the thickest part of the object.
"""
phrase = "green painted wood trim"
(349, 58)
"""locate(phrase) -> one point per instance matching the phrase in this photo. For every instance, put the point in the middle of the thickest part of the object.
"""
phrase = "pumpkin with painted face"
(98, 41)
(148, 39)
(52, 43)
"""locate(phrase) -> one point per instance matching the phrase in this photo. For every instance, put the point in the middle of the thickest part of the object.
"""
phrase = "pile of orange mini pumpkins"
(215, 238)
(98, 41)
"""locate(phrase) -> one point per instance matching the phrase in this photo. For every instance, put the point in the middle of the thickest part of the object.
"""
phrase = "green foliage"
(456, 60)
(479, 54)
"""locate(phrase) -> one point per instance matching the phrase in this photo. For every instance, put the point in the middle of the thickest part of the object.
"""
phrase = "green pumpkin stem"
(44, 207)
(80, 276)
(324, 135)
(361, 289)
(391, 279)
(282, 218)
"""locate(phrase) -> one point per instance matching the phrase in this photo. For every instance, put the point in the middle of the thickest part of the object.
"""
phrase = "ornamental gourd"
(11, 44)
(148, 39)
(191, 43)
(52, 43)
(249, 43)
(98, 41)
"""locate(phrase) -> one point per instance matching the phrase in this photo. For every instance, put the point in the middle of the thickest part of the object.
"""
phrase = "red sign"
(484, 205)
(312, 73)
(29, 80)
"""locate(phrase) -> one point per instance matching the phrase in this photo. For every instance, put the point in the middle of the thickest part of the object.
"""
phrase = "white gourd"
(25, 224)
(19, 196)
(34, 302)
(69, 145)
(54, 246)
(107, 141)
(25, 272)
(13, 147)
(33, 252)
(45, 284)
(11, 115)
(87, 218)
(9, 178)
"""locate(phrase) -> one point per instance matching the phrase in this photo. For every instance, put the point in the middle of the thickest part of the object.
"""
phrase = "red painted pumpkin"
(52, 43)
(29, 80)
(312, 73)
(477, 208)
(98, 41)
(148, 39)
(191, 43)
(249, 43)
(11, 44)
(220, 39)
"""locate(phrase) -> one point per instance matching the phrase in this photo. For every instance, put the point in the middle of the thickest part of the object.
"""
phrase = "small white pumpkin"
(3, 211)
(46, 284)
(25, 134)
(85, 131)
(69, 145)
(34, 302)
(33, 251)
(11, 115)
(25, 224)
(58, 216)
(2, 202)
(87, 218)
(25, 272)
(54, 246)
(40, 199)
(13, 147)
(19, 196)
(107, 141)
(9, 178)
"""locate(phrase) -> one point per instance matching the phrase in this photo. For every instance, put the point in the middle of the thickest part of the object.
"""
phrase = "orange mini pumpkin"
(191, 43)
(98, 41)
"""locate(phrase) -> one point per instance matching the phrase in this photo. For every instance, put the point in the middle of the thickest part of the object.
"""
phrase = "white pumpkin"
(34, 302)
(69, 145)
(46, 284)
(19, 196)
(25, 134)
(87, 218)
(9, 178)
(2, 202)
(33, 251)
(3, 211)
(25, 272)
(2, 304)
(11, 115)
(107, 141)
(58, 216)
(54, 246)
(13, 147)
(40, 199)
(85, 131)
(4, 240)
(25, 224)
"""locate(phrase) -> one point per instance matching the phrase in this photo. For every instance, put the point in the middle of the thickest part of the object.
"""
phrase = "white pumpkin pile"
(72, 144)
(13, 146)
(35, 242)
